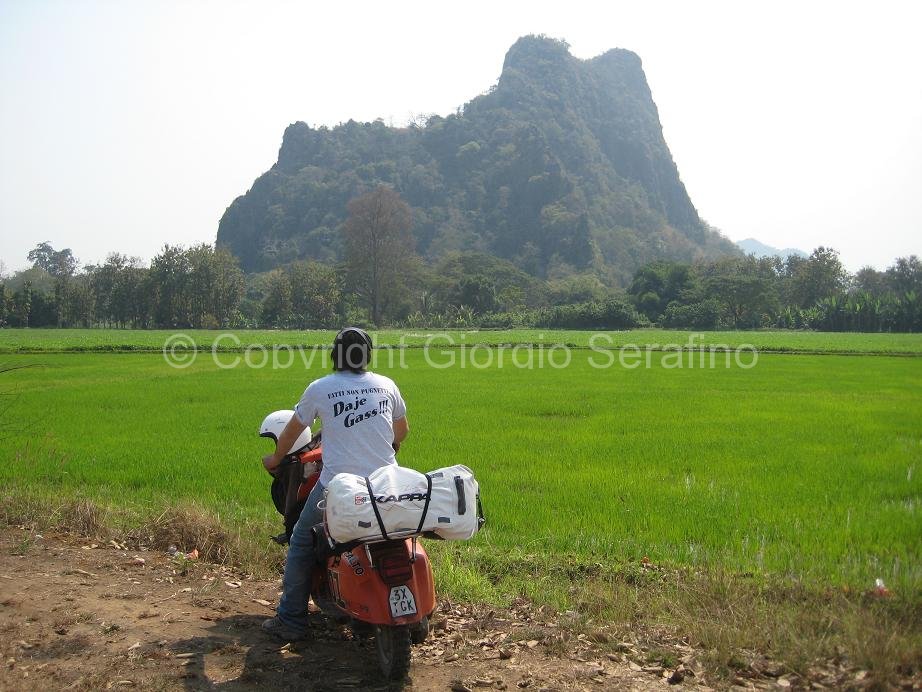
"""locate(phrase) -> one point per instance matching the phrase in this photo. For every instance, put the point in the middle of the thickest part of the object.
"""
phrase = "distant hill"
(560, 167)
(751, 246)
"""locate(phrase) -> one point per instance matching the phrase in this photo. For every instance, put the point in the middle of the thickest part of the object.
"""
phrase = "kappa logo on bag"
(383, 499)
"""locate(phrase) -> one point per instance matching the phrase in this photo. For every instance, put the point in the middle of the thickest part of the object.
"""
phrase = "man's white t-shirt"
(357, 411)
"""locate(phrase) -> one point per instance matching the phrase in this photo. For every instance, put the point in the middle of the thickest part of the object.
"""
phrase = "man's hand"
(271, 462)
(289, 435)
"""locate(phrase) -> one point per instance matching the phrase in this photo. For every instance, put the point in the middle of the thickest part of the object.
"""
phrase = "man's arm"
(293, 428)
(401, 430)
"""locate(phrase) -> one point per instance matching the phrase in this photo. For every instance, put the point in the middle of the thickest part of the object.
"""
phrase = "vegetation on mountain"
(560, 168)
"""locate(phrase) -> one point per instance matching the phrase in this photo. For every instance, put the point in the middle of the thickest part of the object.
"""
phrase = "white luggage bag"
(395, 502)
(454, 508)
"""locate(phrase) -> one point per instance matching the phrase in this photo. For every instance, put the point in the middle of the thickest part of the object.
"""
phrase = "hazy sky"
(125, 125)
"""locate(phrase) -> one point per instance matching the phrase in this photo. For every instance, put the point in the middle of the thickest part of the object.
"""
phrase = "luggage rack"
(397, 537)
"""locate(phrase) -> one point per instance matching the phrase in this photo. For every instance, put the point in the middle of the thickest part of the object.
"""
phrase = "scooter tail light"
(393, 565)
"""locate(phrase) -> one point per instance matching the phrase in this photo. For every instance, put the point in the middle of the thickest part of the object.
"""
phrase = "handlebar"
(311, 456)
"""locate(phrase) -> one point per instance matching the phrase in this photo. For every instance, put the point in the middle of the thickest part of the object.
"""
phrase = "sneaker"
(279, 630)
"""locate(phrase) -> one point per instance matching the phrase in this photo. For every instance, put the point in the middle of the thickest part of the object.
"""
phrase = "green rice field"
(804, 466)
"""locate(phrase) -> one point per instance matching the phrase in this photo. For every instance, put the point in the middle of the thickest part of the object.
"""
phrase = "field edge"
(742, 623)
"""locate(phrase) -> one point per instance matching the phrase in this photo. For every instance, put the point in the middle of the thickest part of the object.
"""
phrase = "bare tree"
(380, 249)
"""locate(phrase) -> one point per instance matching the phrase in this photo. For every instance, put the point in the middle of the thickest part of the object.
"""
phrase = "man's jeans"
(299, 564)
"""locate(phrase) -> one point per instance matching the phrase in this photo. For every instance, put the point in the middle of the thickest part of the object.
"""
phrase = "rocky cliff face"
(560, 167)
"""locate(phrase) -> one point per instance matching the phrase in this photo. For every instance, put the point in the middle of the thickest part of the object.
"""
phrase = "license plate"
(402, 602)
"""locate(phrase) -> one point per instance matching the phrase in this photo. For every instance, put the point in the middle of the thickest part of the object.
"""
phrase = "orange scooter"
(385, 587)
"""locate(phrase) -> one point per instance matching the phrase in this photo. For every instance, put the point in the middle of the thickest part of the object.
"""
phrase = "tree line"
(382, 281)
(792, 293)
(198, 287)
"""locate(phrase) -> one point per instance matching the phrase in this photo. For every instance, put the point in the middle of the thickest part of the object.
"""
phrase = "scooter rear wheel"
(393, 645)
(420, 631)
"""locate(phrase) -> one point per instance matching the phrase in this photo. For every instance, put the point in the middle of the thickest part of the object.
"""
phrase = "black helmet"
(351, 349)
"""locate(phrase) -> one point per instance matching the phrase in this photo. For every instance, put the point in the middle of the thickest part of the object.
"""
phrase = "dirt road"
(76, 615)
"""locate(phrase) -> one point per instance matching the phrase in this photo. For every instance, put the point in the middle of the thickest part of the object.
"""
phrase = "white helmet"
(275, 422)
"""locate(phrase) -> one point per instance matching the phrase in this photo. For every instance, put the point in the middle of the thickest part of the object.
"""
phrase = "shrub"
(704, 315)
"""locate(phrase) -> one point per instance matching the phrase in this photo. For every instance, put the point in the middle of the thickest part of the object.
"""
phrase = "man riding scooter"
(363, 418)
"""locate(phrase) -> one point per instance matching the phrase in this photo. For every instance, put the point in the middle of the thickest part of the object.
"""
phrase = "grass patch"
(732, 618)
(140, 340)
(184, 525)
(737, 621)
(20, 504)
